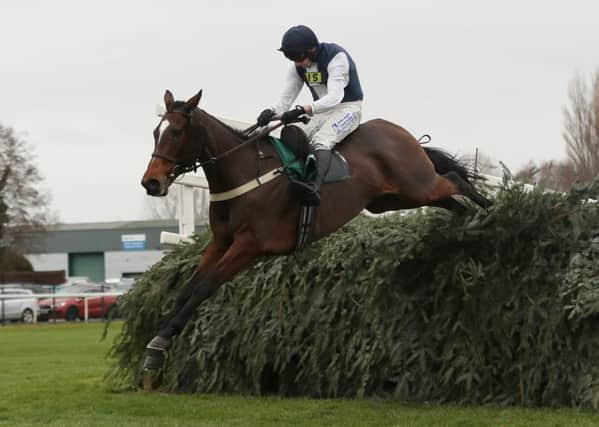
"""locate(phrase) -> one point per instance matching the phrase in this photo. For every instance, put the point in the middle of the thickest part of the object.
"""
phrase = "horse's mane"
(237, 132)
(180, 105)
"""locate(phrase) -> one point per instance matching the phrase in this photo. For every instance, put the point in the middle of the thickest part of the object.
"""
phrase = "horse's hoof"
(156, 353)
(154, 360)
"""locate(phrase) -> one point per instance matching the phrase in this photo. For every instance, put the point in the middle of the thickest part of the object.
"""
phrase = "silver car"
(24, 309)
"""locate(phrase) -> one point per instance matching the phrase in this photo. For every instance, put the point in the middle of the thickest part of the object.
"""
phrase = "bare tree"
(557, 175)
(3, 206)
(25, 206)
(581, 127)
(554, 175)
(581, 134)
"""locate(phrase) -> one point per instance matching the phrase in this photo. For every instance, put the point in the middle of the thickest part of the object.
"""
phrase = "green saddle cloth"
(292, 165)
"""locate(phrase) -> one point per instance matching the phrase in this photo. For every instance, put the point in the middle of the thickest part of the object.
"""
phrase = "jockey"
(330, 74)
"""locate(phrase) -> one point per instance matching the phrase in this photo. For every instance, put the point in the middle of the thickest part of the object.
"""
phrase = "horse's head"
(174, 152)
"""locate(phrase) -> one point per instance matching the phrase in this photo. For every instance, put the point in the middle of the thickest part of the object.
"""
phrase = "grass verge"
(53, 375)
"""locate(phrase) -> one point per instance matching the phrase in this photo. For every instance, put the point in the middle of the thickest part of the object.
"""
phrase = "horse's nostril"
(152, 186)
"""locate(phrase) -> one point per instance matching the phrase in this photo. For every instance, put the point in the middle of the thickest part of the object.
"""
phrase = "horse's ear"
(193, 102)
(168, 99)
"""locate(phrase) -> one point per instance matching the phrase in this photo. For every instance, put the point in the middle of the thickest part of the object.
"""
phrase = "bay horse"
(390, 170)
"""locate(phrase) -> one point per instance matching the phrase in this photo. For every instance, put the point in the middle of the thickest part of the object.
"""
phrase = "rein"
(181, 168)
(254, 138)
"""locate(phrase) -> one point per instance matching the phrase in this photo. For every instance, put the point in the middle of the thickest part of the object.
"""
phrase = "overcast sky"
(80, 80)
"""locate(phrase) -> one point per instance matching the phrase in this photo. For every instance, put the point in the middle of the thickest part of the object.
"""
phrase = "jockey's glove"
(289, 116)
(265, 117)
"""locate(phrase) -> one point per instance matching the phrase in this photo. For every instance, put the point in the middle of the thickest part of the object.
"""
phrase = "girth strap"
(248, 186)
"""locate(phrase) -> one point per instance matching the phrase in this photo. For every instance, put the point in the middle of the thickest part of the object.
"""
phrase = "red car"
(73, 308)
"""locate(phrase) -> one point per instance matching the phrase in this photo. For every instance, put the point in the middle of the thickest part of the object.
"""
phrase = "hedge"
(497, 307)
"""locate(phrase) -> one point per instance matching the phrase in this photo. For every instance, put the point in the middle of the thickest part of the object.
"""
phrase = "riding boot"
(312, 190)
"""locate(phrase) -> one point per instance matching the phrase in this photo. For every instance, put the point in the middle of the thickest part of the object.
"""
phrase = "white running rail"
(185, 209)
(85, 296)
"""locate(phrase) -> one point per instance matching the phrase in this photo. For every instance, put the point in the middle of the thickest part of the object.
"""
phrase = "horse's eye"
(176, 132)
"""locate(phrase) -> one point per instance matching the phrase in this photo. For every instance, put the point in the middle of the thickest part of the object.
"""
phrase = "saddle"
(299, 165)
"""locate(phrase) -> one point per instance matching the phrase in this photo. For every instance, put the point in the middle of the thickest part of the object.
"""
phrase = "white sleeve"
(338, 70)
(291, 89)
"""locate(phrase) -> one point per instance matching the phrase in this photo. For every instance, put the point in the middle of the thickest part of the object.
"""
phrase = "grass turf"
(53, 375)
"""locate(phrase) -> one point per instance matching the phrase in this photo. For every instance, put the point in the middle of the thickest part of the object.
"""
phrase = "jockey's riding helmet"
(297, 42)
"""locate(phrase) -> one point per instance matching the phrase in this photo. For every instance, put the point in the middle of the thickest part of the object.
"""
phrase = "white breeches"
(332, 126)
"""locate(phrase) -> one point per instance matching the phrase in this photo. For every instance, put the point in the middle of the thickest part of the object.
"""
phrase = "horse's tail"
(445, 162)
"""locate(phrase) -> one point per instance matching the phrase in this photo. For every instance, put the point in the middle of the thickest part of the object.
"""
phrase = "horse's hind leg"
(451, 205)
(442, 194)
(466, 189)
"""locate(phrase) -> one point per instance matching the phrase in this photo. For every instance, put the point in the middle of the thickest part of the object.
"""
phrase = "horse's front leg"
(211, 255)
(237, 257)
(159, 345)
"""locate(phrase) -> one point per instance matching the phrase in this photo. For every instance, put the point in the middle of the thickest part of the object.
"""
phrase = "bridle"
(180, 167)
(183, 167)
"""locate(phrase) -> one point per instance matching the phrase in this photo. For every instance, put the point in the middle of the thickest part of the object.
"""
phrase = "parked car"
(37, 289)
(24, 309)
(122, 284)
(73, 308)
